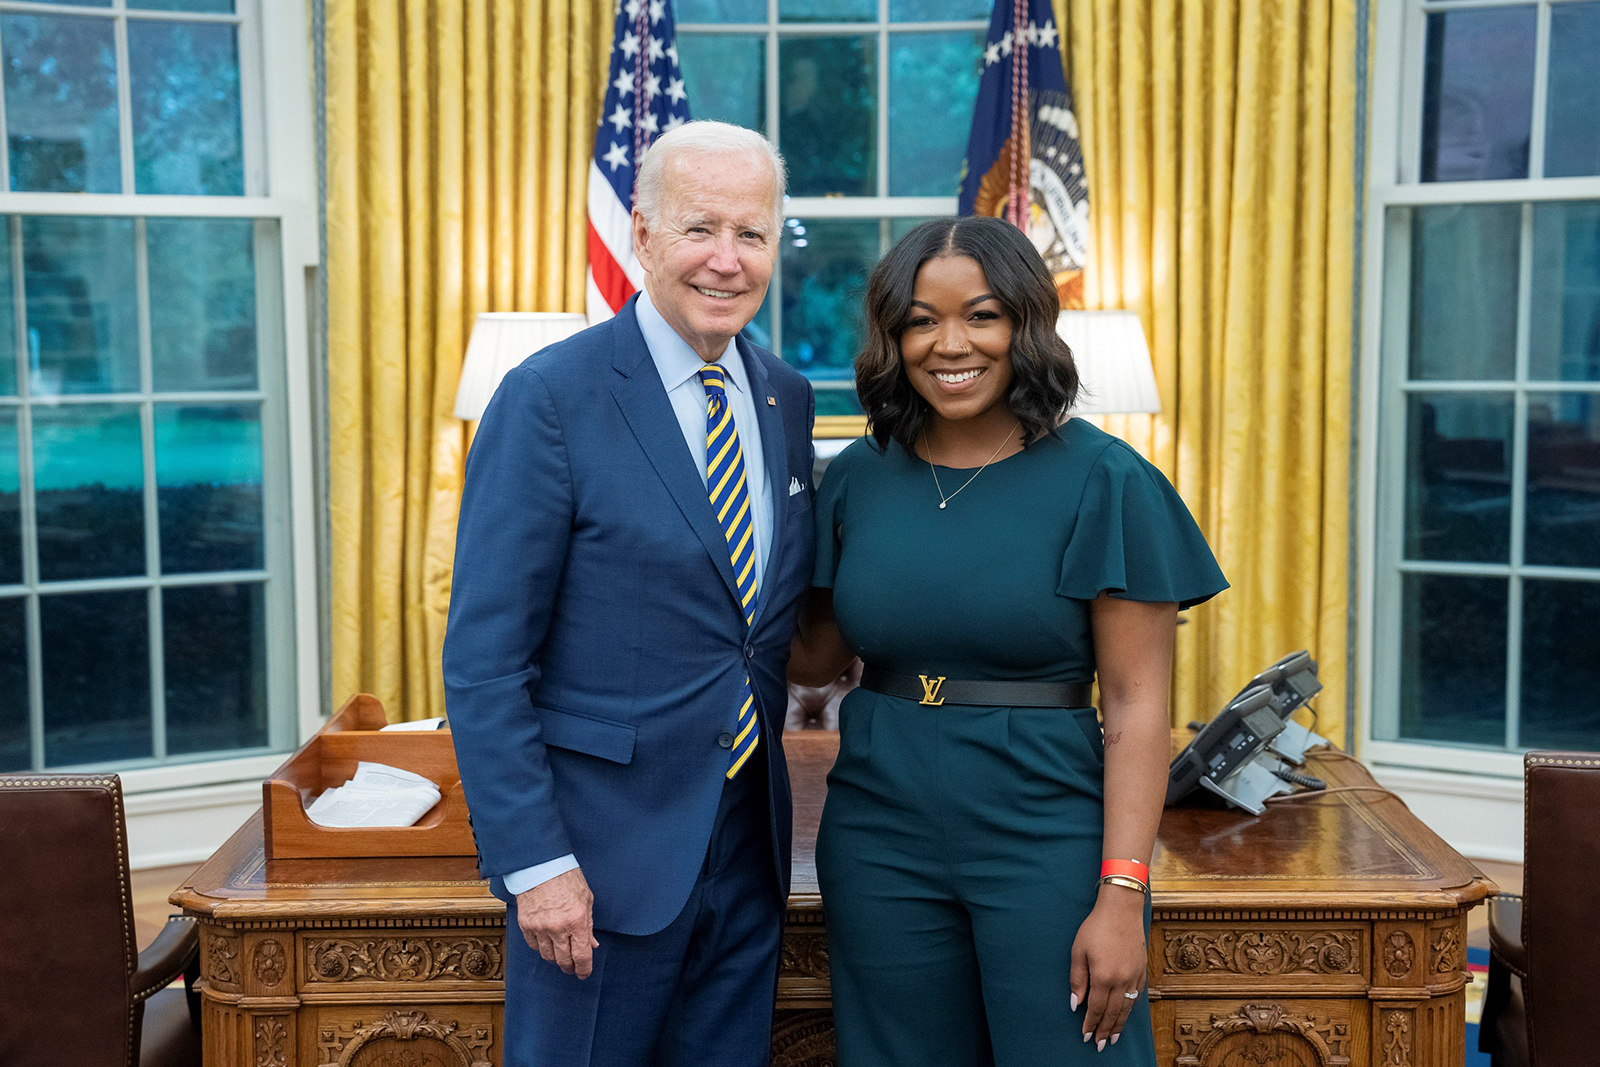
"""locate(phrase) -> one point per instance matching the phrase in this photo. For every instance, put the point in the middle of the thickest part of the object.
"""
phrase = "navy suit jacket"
(596, 649)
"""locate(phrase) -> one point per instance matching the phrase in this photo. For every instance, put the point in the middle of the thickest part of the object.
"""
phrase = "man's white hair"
(704, 136)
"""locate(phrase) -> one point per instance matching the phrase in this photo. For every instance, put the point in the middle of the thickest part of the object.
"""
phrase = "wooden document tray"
(330, 759)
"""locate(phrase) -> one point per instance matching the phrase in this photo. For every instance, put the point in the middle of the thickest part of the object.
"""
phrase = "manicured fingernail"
(1115, 1036)
(1074, 1002)
(1087, 1036)
(1100, 1046)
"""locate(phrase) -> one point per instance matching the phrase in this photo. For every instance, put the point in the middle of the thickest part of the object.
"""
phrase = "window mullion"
(882, 35)
(1519, 484)
(1541, 71)
(152, 518)
(774, 133)
(30, 515)
(5, 136)
(124, 100)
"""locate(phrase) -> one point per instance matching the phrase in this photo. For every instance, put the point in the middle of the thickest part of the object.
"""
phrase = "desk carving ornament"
(1326, 933)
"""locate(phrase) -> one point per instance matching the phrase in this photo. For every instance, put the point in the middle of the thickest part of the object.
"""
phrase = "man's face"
(709, 256)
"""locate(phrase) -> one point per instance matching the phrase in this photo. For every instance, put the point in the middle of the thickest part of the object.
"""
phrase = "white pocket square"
(795, 486)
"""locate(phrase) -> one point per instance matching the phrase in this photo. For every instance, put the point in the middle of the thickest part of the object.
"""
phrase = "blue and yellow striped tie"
(730, 500)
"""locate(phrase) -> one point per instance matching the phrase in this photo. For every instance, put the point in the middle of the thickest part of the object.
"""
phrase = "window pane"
(88, 472)
(937, 10)
(1464, 291)
(827, 10)
(1477, 96)
(203, 325)
(760, 328)
(933, 81)
(1571, 135)
(14, 751)
(1458, 477)
(215, 641)
(1564, 323)
(83, 317)
(96, 657)
(838, 398)
(10, 500)
(828, 92)
(8, 314)
(898, 228)
(1453, 659)
(208, 479)
(726, 76)
(61, 103)
(825, 265)
(224, 7)
(186, 125)
(718, 11)
(1563, 480)
(1560, 672)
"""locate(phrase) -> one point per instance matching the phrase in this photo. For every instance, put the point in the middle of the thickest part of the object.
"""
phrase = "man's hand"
(557, 918)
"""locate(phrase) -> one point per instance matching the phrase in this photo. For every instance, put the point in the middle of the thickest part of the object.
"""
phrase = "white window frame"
(880, 205)
(277, 120)
(1394, 182)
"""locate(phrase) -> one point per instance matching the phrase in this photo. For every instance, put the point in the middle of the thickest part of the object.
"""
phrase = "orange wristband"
(1127, 869)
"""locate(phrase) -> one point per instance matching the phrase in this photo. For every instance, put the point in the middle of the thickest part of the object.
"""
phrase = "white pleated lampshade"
(500, 341)
(1114, 369)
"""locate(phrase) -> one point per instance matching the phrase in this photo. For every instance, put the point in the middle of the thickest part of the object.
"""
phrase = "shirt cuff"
(519, 882)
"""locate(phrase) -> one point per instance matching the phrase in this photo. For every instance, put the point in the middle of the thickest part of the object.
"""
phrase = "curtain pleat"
(1220, 138)
(457, 168)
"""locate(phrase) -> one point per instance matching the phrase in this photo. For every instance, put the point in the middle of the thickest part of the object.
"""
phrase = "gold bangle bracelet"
(1124, 881)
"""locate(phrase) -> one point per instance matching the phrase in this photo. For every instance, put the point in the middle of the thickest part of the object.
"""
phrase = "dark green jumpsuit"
(960, 846)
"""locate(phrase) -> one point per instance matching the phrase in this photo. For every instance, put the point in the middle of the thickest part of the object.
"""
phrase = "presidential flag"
(1024, 163)
(645, 99)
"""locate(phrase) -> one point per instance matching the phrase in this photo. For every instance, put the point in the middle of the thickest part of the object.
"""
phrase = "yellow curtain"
(1220, 140)
(459, 134)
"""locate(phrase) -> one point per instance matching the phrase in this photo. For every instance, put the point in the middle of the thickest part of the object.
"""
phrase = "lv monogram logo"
(930, 691)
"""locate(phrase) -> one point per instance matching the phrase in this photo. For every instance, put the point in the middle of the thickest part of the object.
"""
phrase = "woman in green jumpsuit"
(977, 538)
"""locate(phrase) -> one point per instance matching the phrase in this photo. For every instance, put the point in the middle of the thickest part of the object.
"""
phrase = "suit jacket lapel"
(775, 452)
(643, 400)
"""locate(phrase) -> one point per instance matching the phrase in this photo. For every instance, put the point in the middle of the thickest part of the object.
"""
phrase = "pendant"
(941, 505)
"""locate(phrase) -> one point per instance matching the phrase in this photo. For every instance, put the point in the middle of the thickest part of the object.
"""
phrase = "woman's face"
(956, 345)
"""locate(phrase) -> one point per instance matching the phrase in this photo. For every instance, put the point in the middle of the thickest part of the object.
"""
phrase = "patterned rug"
(1478, 964)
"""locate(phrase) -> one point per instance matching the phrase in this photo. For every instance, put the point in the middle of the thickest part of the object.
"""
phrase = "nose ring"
(966, 351)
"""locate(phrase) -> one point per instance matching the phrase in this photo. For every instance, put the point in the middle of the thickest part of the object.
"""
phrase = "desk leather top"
(1356, 849)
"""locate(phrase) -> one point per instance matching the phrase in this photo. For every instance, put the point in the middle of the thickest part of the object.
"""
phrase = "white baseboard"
(176, 826)
(1477, 815)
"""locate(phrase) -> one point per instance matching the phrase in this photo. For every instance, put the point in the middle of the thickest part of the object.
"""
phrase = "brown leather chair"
(74, 987)
(1539, 1011)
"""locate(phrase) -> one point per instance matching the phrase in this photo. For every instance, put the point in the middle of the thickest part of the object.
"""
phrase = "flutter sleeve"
(1135, 539)
(828, 515)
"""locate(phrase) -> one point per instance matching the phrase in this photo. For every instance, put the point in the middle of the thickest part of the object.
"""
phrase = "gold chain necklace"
(943, 500)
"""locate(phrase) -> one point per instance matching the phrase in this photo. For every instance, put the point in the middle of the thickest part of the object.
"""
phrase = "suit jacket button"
(725, 740)
(749, 651)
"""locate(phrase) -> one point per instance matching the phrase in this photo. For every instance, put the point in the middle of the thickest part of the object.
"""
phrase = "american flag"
(644, 99)
(1024, 160)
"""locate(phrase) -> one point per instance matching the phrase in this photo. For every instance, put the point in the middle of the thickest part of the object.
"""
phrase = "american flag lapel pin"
(772, 401)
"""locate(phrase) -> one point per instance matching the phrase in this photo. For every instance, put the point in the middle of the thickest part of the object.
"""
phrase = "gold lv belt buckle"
(930, 690)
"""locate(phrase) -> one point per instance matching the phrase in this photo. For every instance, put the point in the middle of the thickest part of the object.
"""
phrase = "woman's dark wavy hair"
(1044, 379)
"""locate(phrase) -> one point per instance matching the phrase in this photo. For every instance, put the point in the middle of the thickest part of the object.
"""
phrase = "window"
(870, 102)
(1482, 353)
(146, 606)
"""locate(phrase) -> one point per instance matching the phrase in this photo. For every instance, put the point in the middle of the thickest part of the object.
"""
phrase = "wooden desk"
(1329, 932)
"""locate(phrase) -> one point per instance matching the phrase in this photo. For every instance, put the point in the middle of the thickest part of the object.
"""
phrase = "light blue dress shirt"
(679, 367)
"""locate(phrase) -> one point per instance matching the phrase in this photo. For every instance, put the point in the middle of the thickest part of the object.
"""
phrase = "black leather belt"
(933, 690)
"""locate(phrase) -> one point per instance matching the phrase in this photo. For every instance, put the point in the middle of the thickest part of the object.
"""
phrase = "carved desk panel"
(1330, 932)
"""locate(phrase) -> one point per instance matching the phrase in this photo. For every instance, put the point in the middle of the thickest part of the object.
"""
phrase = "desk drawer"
(1286, 1033)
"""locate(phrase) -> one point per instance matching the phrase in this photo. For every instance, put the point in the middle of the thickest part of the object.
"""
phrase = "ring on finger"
(1132, 996)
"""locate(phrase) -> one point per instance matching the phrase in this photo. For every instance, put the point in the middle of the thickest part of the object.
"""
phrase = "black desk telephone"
(1247, 753)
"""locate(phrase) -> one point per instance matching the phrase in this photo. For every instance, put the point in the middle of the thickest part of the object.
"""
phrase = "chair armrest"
(1505, 933)
(165, 958)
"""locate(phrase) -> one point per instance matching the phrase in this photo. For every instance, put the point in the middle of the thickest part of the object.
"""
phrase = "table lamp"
(500, 341)
(1114, 369)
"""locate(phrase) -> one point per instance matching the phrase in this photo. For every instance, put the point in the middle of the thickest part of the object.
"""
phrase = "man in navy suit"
(634, 539)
